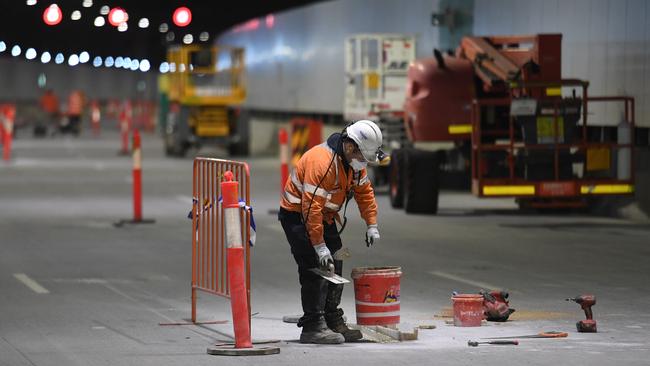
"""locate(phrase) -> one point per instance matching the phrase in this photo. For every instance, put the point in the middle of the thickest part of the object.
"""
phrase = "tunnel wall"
(19, 81)
(297, 64)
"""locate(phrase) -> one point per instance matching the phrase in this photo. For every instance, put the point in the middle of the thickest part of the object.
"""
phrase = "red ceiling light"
(52, 15)
(182, 16)
(117, 16)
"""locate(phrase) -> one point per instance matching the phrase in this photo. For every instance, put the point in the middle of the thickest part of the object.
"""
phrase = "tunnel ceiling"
(23, 25)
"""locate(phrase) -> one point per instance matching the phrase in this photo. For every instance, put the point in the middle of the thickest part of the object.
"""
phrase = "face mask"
(357, 165)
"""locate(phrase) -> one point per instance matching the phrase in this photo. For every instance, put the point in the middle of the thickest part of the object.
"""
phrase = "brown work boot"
(336, 323)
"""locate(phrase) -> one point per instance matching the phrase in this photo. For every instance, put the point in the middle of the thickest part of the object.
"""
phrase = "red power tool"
(586, 302)
(496, 306)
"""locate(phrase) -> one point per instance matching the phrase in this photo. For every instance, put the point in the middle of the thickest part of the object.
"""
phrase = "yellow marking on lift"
(459, 129)
(607, 189)
(508, 190)
(554, 92)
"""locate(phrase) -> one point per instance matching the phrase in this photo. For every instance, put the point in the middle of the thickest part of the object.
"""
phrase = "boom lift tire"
(177, 132)
(422, 181)
(240, 124)
(396, 178)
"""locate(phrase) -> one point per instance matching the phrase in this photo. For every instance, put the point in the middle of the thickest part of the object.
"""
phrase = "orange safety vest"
(75, 103)
(50, 103)
(326, 199)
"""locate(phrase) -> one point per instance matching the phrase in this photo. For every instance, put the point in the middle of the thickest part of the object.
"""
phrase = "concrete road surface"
(74, 290)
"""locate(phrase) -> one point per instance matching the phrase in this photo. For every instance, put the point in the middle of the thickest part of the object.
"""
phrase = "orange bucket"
(468, 310)
(376, 294)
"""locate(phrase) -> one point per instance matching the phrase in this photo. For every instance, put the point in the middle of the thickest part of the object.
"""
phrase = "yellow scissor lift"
(205, 86)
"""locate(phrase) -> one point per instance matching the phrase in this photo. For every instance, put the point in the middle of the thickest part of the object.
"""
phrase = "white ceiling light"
(188, 38)
(204, 36)
(181, 68)
(109, 62)
(143, 23)
(164, 67)
(119, 62)
(126, 62)
(135, 64)
(31, 2)
(84, 57)
(46, 57)
(15, 50)
(172, 67)
(97, 61)
(104, 10)
(100, 21)
(3, 46)
(163, 28)
(30, 54)
(59, 58)
(145, 65)
(122, 27)
(76, 15)
(73, 60)
(87, 3)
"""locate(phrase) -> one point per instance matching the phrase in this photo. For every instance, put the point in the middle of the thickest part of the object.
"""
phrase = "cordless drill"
(586, 302)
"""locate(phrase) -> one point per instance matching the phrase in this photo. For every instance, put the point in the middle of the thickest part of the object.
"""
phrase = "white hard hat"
(367, 136)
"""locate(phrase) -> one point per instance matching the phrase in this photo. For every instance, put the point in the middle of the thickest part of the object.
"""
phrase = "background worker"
(50, 105)
(75, 109)
(322, 180)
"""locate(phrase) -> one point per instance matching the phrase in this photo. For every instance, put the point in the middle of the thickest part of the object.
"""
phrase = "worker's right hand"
(324, 255)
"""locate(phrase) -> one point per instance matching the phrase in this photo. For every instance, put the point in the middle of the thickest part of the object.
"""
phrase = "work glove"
(372, 235)
(324, 256)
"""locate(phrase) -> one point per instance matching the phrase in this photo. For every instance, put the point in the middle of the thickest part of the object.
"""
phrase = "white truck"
(375, 74)
(376, 68)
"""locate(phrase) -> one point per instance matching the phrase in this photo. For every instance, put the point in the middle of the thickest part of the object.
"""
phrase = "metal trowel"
(329, 275)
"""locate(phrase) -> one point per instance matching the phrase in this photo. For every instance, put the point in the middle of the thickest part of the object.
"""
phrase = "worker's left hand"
(372, 235)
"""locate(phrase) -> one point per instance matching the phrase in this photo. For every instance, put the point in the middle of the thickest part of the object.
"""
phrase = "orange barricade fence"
(305, 134)
(209, 265)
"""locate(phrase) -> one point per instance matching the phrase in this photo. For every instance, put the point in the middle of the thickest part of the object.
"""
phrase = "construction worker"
(324, 177)
(50, 106)
(75, 109)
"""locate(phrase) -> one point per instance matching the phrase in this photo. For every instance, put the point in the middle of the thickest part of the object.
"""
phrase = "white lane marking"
(275, 227)
(33, 285)
(185, 199)
(452, 277)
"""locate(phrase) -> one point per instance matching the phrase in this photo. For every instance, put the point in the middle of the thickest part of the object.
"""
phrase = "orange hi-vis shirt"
(301, 190)
(75, 103)
(50, 103)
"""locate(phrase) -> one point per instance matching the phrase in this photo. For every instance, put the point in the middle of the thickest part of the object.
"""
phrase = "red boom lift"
(499, 113)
